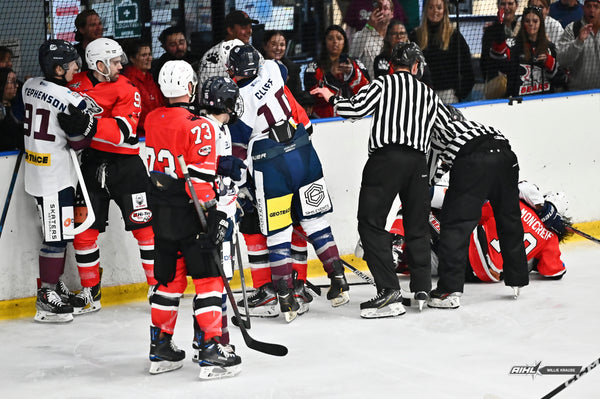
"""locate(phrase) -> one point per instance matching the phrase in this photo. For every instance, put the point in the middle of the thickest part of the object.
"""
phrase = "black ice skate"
(88, 300)
(302, 296)
(387, 303)
(338, 291)
(164, 354)
(218, 361)
(442, 300)
(287, 302)
(64, 292)
(50, 308)
(197, 346)
(262, 303)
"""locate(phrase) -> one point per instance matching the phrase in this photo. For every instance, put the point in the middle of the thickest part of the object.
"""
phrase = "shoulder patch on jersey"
(204, 151)
(92, 106)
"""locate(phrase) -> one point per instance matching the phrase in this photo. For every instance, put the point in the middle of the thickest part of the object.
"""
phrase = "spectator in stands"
(578, 49)
(88, 27)
(446, 51)
(341, 74)
(506, 27)
(17, 106)
(238, 31)
(530, 64)
(6, 56)
(566, 11)
(359, 12)
(173, 41)
(274, 47)
(366, 44)
(554, 29)
(138, 71)
(11, 130)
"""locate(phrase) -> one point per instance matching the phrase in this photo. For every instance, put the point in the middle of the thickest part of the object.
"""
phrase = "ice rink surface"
(333, 353)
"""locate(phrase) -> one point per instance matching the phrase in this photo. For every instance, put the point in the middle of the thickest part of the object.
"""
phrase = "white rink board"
(556, 140)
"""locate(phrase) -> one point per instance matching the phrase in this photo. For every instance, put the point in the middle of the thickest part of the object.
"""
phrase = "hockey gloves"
(217, 226)
(552, 219)
(78, 122)
(231, 166)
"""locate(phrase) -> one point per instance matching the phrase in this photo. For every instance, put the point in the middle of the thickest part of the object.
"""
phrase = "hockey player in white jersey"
(50, 175)
(286, 173)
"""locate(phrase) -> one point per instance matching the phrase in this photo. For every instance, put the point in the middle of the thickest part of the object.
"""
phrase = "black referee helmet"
(406, 54)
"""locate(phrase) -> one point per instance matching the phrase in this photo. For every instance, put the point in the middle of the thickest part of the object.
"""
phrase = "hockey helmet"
(57, 52)
(174, 77)
(226, 47)
(455, 113)
(222, 95)
(243, 61)
(103, 50)
(559, 200)
(406, 54)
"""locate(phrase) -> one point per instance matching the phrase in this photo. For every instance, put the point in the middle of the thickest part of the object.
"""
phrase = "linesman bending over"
(404, 113)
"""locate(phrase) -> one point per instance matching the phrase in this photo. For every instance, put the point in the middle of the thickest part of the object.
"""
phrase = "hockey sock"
(145, 239)
(299, 254)
(258, 257)
(165, 301)
(325, 246)
(51, 263)
(87, 256)
(280, 259)
(207, 305)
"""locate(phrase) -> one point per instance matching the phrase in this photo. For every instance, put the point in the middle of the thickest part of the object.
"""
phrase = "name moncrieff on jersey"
(536, 225)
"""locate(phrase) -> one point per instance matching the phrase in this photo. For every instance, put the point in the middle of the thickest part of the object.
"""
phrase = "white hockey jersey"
(48, 165)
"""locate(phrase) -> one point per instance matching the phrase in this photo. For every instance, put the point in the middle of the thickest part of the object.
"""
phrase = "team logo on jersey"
(92, 106)
(141, 216)
(139, 201)
(204, 151)
(314, 198)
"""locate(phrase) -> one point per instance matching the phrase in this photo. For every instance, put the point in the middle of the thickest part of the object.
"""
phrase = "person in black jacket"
(446, 52)
(11, 130)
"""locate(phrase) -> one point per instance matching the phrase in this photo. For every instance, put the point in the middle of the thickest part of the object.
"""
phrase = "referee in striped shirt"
(405, 112)
(482, 167)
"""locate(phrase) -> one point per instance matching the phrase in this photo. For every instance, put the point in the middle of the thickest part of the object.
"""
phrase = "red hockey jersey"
(116, 105)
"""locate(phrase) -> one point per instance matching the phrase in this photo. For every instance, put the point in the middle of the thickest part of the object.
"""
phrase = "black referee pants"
(390, 171)
(491, 171)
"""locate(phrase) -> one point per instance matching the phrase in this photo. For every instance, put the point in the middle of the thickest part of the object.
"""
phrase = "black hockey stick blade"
(572, 379)
(313, 288)
(581, 233)
(236, 322)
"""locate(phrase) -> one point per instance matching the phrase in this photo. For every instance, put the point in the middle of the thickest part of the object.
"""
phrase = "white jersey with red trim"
(48, 165)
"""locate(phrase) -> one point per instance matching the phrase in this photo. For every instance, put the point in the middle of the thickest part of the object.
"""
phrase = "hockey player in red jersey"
(182, 247)
(111, 167)
(50, 173)
(544, 222)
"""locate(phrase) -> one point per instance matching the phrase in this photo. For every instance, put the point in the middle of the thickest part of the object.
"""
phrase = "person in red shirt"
(111, 166)
(138, 72)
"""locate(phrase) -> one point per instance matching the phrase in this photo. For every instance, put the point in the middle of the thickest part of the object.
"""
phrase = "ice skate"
(442, 300)
(387, 303)
(64, 292)
(287, 302)
(197, 347)
(262, 303)
(302, 296)
(88, 300)
(50, 308)
(218, 361)
(418, 298)
(338, 291)
(516, 292)
(164, 354)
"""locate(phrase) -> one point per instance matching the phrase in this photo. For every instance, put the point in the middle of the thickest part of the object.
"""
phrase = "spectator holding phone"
(342, 75)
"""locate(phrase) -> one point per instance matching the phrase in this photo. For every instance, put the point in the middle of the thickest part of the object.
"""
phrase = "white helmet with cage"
(103, 50)
(174, 77)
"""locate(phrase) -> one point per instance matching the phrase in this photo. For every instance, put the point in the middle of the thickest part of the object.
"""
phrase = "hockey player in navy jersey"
(286, 173)
(50, 175)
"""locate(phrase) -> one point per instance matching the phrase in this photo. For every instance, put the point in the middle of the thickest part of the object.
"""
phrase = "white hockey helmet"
(103, 50)
(226, 46)
(174, 77)
(559, 200)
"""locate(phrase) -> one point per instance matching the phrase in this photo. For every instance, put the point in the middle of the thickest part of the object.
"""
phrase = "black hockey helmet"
(455, 114)
(243, 61)
(222, 95)
(57, 52)
(406, 54)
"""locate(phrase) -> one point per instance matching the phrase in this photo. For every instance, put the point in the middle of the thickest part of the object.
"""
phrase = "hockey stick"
(268, 348)
(238, 253)
(353, 269)
(581, 233)
(91, 217)
(13, 180)
(572, 379)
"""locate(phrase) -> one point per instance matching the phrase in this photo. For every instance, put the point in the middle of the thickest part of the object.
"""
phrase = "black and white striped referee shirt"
(404, 111)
